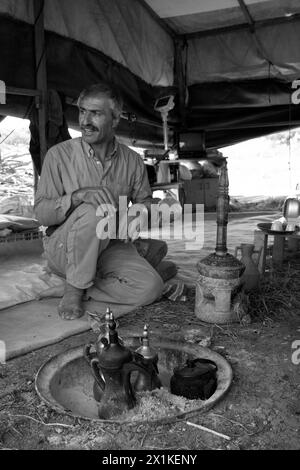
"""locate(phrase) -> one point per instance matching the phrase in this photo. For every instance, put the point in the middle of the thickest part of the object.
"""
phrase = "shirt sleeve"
(141, 192)
(51, 202)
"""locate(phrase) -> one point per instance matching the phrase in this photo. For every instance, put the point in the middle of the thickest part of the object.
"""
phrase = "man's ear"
(115, 121)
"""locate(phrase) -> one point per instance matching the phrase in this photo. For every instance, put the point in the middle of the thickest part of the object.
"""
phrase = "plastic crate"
(24, 235)
(21, 242)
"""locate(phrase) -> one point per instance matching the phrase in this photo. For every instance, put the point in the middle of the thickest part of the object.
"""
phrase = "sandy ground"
(261, 410)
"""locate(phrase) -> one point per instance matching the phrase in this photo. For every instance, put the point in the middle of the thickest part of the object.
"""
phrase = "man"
(80, 183)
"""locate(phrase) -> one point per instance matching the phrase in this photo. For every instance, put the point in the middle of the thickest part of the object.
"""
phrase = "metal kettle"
(112, 366)
(197, 379)
(291, 208)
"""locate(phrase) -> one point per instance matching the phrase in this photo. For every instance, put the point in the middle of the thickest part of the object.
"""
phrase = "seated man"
(81, 182)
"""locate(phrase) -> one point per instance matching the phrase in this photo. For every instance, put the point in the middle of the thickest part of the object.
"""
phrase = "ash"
(158, 404)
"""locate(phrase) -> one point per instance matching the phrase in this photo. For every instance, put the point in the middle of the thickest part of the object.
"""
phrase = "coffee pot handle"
(127, 369)
(96, 373)
(202, 361)
(87, 353)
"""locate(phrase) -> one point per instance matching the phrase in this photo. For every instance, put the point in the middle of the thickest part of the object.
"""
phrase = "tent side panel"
(121, 29)
(71, 66)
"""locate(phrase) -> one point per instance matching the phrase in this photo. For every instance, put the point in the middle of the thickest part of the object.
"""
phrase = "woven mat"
(31, 325)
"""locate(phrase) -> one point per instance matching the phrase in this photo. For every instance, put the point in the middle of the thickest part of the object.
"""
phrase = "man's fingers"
(99, 211)
(105, 208)
(101, 199)
(103, 191)
(108, 208)
(105, 199)
(108, 196)
(135, 234)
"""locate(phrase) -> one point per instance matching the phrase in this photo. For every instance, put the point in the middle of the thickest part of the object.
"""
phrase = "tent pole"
(250, 21)
(157, 19)
(180, 78)
(41, 75)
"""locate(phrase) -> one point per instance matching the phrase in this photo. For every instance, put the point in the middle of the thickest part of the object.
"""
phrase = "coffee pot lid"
(145, 350)
(113, 354)
(195, 368)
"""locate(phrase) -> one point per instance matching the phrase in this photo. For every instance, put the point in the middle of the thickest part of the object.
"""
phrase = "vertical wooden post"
(278, 250)
(261, 244)
(41, 73)
(180, 79)
(222, 212)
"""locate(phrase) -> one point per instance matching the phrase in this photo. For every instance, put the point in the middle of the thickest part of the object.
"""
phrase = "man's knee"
(156, 250)
(160, 247)
(85, 219)
(85, 211)
(151, 288)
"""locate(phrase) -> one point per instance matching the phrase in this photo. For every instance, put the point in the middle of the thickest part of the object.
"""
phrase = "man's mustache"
(89, 128)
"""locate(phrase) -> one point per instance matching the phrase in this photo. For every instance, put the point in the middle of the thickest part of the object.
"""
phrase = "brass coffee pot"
(112, 366)
(149, 359)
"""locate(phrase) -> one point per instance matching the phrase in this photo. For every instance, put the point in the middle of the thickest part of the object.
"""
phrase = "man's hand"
(132, 222)
(137, 221)
(100, 198)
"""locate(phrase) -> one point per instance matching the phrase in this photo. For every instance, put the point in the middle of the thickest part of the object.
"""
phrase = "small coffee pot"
(149, 359)
(112, 366)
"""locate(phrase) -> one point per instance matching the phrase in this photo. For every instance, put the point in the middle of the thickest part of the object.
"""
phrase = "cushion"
(17, 223)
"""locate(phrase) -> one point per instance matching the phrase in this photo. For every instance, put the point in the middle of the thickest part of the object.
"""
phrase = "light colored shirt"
(72, 165)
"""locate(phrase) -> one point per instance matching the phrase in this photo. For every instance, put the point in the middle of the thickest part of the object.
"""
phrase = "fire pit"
(65, 382)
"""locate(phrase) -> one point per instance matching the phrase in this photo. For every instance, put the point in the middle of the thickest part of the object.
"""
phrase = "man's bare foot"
(70, 307)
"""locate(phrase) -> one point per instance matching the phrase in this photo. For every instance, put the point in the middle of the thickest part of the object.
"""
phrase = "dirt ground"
(260, 411)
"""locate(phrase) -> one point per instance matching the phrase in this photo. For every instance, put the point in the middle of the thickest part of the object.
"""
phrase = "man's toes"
(69, 312)
(61, 310)
(72, 315)
(70, 307)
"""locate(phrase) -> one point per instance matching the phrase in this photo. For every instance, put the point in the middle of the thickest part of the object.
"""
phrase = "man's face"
(96, 119)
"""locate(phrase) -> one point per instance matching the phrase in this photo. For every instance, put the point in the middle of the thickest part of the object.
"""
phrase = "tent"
(231, 64)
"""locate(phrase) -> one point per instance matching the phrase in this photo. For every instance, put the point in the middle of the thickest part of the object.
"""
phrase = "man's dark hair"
(103, 88)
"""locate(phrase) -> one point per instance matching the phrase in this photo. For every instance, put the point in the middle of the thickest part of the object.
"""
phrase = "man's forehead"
(99, 101)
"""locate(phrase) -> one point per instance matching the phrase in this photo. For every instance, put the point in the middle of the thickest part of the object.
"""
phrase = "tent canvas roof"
(230, 63)
(193, 16)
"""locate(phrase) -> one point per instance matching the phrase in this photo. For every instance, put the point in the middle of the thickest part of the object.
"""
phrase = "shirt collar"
(90, 152)
(114, 148)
